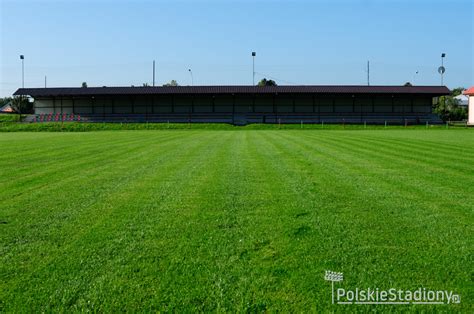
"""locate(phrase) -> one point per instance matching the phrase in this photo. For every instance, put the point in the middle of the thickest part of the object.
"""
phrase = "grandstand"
(238, 105)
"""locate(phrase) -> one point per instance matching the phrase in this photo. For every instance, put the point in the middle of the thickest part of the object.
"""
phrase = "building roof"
(463, 100)
(7, 108)
(232, 89)
(469, 91)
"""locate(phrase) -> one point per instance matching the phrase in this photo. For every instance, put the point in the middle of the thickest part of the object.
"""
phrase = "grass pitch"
(190, 220)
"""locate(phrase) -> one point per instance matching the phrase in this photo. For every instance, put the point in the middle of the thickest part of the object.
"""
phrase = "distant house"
(7, 108)
(463, 100)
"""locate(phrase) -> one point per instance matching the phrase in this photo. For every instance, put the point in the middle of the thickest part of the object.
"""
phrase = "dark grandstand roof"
(232, 89)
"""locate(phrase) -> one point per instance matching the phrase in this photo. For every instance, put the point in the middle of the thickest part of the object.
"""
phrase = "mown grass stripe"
(416, 183)
(396, 223)
(68, 168)
(90, 228)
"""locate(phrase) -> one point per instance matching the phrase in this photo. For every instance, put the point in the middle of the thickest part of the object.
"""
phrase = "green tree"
(448, 108)
(20, 105)
(457, 91)
(171, 83)
(265, 82)
(407, 84)
(4, 101)
(84, 84)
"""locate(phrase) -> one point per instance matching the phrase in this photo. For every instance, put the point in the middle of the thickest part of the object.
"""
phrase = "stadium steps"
(243, 119)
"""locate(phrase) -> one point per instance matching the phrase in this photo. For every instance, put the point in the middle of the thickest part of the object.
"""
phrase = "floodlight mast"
(443, 55)
(192, 77)
(253, 67)
(22, 58)
(153, 73)
(368, 73)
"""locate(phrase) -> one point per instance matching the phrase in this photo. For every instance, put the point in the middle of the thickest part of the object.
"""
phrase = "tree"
(20, 104)
(4, 101)
(145, 85)
(457, 91)
(84, 85)
(448, 108)
(171, 83)
(265, 82)
(407, 84)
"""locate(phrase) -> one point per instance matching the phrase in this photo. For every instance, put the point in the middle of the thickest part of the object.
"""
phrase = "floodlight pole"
(192, 77)
(368, 73)
(22, 58)
(415, 77)
(153, 72)
(442, 64)
(253, 67)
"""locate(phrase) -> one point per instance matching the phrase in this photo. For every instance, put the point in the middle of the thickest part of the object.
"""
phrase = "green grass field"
(246, 220)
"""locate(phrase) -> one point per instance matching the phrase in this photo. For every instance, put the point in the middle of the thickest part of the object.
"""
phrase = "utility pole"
(253, 67)
(442, 69)
(368, 73)
(153, 72)
(22, 58)
(192, 77)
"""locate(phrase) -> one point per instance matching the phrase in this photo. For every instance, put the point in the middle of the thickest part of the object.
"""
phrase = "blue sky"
(113, 43)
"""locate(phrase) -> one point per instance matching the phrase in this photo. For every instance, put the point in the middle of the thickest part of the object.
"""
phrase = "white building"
(470, 93)
(463, 100)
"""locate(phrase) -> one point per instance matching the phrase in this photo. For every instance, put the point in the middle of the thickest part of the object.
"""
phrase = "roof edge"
(230, 89)
(469, 91)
